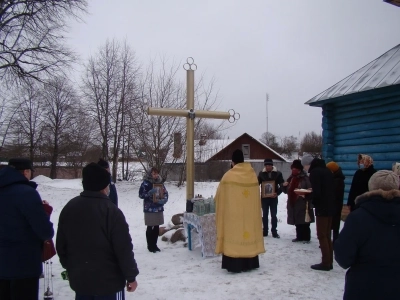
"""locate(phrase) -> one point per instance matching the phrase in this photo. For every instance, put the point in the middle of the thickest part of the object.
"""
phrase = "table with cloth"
(207, 231)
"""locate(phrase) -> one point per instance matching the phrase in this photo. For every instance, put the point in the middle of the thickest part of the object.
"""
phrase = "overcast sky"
(292, 49)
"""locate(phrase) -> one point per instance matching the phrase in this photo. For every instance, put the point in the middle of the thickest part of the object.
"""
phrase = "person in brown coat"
(338, 181)
(297, 205)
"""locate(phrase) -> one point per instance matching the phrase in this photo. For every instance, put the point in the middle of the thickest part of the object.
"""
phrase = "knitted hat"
(95, 178)
(297, 165)
(332, 166)
(237, 156)
(384, 180)
(103, 163)
(21, 164)
(268, 162)
(306, 160)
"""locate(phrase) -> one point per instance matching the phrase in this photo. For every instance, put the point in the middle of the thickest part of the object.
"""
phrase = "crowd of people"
(366, 246)
(99, 258)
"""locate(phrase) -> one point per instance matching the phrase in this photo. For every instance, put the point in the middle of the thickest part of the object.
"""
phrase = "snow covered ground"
(177, 273)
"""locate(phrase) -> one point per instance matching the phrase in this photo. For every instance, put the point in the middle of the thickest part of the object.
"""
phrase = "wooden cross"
(190, 115)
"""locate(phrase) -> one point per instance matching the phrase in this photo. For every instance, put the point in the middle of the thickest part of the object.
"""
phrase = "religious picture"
(159, 194)
(267, 188)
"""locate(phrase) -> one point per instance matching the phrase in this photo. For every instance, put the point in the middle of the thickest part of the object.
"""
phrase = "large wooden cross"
(190, 115)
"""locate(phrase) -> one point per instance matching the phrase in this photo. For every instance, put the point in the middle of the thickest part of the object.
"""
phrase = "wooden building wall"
(366, 123)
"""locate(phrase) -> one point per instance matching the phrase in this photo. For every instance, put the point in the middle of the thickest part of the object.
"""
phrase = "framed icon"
(159, 194)
(267, 188)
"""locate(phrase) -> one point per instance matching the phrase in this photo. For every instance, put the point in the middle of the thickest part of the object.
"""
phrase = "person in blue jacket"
(113, 190)
(24, 226)
(154, 199)
(369, 242)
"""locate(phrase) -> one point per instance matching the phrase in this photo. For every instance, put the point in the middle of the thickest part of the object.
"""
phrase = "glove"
(151, 192)
(162, 201)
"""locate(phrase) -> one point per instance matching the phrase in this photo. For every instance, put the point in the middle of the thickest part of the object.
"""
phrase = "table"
(207, 230)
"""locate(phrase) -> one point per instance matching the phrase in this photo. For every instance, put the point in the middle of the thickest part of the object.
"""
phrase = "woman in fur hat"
(296, 204)
(153, 209)
(369, 242)
(359, 185)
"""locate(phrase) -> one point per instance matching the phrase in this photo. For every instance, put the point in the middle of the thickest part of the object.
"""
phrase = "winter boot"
(149, 238)
(321, 267)
(155, 238)
(276, 235)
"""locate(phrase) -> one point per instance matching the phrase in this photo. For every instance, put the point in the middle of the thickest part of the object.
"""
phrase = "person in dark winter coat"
(24, 226)
(154, 200)
(338, 180)
(270, 173)
(113, 190)
(297, 205)
(324, 202)
(369, 242)
(93, 241)
(359, 184)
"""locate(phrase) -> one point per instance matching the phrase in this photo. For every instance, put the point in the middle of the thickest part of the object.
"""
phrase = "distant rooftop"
(201, 152)
(382, 72)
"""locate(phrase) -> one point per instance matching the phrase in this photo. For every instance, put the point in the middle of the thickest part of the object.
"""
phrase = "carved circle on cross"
(234, 116)
(190, 65)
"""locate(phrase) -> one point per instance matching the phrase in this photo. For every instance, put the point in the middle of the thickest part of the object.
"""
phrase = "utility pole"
(267, 137)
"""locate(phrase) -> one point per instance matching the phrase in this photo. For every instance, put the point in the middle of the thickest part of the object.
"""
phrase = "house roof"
(382, 72)
(202, 153)
(262, 144)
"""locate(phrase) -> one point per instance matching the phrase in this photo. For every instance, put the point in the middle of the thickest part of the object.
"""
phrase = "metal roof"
(383, 71)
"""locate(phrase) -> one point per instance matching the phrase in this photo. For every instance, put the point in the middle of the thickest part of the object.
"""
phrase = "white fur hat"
(384, 180)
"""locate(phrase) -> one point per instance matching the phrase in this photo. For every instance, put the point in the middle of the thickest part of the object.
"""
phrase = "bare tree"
(60, 103)
(153, 135)
(312, 144)
(288, 146)
(270, 140)
(110, 88)
(80, 141)
(32, 40)
(28, 120)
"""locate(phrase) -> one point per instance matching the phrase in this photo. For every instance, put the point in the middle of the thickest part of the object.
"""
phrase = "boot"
(155, 238)
(321, 267)
(275, 235)
(149, 238)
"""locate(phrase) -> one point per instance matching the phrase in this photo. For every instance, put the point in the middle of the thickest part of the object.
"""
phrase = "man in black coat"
(324, 202)
(269, 173)
(93, 241)
(113, 190)
(24, 226)
(338, 179)
(369, 242)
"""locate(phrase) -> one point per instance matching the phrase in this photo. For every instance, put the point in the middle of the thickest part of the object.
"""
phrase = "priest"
(238, 217)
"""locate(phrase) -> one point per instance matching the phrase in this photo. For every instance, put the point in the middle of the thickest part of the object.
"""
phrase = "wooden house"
(361, 114)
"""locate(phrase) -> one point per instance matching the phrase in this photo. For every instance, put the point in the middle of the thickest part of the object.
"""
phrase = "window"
(246, 151)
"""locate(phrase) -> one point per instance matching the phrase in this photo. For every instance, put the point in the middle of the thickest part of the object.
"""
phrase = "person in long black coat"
(338, 180)
(324, 202)
(369, 242)
(359, 184)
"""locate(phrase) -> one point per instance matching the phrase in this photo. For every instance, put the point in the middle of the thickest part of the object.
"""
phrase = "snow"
(177, 273)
